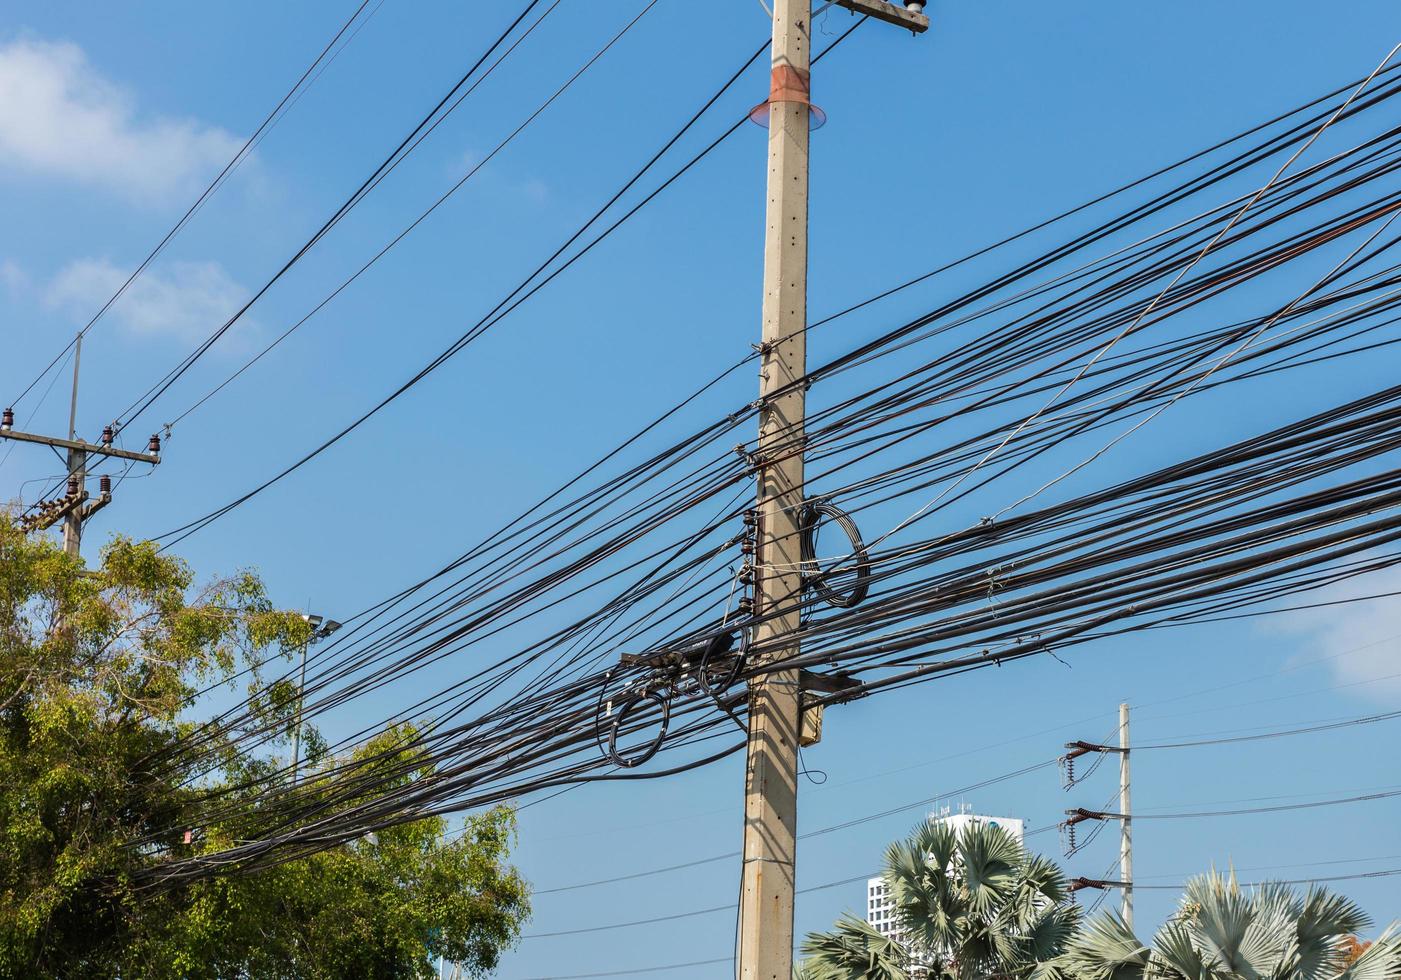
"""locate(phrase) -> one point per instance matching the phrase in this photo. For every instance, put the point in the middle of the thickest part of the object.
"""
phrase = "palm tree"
(853, 949)
(971, 905)
(1220, 932)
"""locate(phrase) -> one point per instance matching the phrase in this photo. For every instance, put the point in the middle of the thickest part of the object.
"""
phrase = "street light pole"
(319, 631)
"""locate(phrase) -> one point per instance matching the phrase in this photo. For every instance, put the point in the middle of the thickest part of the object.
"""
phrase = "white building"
(965, 817)
(880, 908)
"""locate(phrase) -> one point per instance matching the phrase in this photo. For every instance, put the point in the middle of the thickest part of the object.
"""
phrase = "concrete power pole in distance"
(1078, 815)
(771, 774)
(73, 508)
(1126, 820)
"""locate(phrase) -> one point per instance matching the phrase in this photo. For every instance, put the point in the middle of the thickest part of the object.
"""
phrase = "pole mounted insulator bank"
(75, 507)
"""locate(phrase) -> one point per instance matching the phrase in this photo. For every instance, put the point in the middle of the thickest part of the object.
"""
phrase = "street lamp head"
(320, 627)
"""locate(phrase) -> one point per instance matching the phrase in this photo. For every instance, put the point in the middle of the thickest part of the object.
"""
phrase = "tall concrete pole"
(77, 463)
(73, 520)
(771, 778)
(1126, 821)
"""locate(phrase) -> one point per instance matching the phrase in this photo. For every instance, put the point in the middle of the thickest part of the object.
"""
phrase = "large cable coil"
(832, 585)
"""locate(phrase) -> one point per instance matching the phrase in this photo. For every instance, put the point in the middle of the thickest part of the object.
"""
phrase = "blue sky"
(113, 116)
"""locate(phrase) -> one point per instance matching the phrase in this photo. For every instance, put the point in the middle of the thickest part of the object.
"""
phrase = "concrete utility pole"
(1078, 815)
(77, 462)
(75, 516)
(775, 699)
(1126, 821)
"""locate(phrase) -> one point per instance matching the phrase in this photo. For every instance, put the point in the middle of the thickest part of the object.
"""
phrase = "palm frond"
(1105, 948)
(1325, 914)
(1050, 934)
(1379, 961)
(1175, 954)
(991, 859)
(853, 950)
(1235, 934)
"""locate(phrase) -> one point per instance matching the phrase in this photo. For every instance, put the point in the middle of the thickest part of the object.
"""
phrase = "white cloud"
(501, 176)
(187, 300)
(1362, 639)
(536, 190)
(12, 276)
(60, 117)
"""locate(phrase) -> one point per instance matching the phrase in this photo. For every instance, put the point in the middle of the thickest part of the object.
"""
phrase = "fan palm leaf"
(1379, 961)
(1220, 933)
(1237, 935)
(853, 950)
(1323, 922)
(1105, 948)
(975, 905)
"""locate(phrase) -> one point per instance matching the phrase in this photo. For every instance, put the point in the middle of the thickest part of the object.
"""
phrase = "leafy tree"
(971, 905)
(1352, 949)
(1220, 932)
(106, 774)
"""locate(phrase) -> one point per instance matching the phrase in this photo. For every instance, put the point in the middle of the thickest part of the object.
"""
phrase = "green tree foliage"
(1221, 932)
(101, 673)
(972, 905)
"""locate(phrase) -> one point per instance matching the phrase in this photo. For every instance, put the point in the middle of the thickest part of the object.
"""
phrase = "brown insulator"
(105, 483)
(747, 546)
(7, 420)
(107, 435)
(72, 486)
(154, 446)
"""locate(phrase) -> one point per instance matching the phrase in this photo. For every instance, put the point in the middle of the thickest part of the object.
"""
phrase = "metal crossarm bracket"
(1081, 748)
(44, 521)
(828, 683)
(888, 12)
(78, 444)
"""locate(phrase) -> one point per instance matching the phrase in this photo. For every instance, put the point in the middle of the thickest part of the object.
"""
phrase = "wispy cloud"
(59, 117)
(187, 300)
(12, 276)
(503, 178)
(1361, 639)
